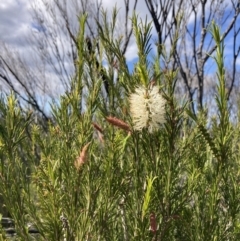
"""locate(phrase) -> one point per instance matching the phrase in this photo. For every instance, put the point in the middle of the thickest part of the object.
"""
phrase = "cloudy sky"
(18, 29)
(16, 22)
(16, 25)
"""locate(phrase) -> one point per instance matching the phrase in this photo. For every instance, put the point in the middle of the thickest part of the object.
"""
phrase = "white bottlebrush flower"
(147, 108)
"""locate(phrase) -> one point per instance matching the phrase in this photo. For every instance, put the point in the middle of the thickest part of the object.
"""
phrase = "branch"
(32, 101)
(224, 34)
(127, 35)
(157, 25)
(235, 55)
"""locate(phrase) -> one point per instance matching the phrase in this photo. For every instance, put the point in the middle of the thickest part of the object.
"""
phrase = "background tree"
(54, 40)
(191, 19)
(55, 51)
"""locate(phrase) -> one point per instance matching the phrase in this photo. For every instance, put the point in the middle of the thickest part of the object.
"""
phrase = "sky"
(17, 24)
(17, 27)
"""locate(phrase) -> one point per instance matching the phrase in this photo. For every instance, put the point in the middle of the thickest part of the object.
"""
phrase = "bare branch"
(196, 44)
(128, 33)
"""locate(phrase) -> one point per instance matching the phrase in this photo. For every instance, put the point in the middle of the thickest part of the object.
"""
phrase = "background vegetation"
(85, 173)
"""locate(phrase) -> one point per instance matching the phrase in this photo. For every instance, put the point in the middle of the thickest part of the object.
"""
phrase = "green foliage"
(87, 178)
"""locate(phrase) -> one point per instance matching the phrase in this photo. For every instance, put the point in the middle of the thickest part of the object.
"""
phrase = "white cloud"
(14, 18)
(17, 23)
(131, 52)
(238, 61)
